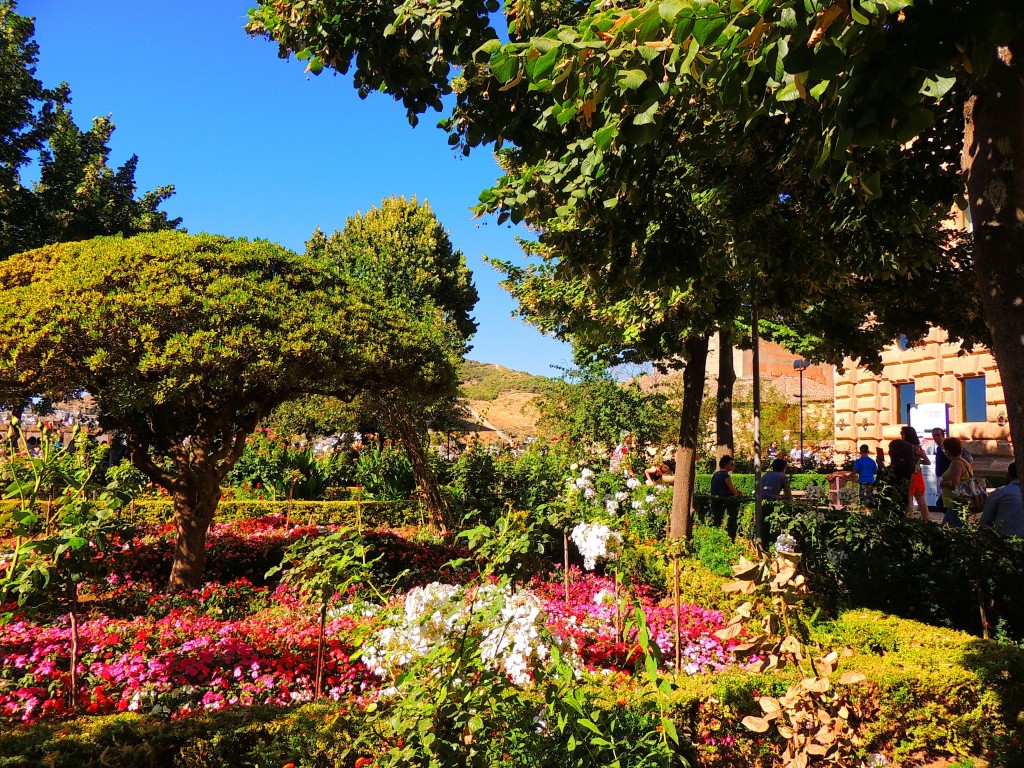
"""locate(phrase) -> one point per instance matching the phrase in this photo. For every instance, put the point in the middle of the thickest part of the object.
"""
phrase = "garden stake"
(618, 610)
(320, 649)
(981, 609)
(565, 543)
(359, 508)
(675, 601)
(74, 647)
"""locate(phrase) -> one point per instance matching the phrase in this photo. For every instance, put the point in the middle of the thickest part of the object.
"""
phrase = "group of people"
(775, 484)
(1003, 509)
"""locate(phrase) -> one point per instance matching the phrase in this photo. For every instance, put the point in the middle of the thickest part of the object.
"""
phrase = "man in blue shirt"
(866, 469)
(775, 484)
(1004, 510)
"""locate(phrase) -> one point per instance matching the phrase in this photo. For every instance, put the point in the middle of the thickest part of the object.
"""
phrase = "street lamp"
(801, 365)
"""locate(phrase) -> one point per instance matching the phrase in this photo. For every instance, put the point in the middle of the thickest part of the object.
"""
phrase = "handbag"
(972, 491)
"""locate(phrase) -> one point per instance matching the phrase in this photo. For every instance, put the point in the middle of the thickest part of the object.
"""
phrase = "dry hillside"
(500, 400)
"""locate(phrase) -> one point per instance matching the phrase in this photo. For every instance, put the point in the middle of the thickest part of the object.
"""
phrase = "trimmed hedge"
(745, 482)
(371, 513)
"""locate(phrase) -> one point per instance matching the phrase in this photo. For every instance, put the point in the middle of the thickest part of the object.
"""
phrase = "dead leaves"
(826, 18)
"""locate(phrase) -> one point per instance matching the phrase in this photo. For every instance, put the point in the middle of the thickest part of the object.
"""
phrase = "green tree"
(934, 78)
(588, 406)
(77, 195)
(662, 215)
(401, 250)
(186, 342)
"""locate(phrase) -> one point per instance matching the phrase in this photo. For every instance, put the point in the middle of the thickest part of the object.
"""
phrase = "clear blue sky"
(257, 148)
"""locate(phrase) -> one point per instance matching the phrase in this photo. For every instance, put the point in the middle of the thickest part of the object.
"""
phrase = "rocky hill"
(501, 401)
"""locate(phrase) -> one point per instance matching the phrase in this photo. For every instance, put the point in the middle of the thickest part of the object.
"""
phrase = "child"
(866, 469)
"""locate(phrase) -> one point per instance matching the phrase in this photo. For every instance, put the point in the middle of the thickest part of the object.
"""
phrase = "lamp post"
(801, 365)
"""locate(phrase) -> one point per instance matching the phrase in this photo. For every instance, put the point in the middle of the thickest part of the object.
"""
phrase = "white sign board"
(924, 417)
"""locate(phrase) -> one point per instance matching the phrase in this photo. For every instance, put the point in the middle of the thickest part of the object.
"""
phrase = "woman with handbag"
(957, 472)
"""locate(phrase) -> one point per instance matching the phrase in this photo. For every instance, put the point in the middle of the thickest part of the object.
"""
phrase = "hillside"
(501, 400)
(487, 381)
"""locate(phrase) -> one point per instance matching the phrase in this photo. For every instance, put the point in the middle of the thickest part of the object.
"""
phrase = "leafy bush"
(884, 560)
(385, 473)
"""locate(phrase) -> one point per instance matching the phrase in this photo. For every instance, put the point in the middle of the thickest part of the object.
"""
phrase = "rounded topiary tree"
(186, 342)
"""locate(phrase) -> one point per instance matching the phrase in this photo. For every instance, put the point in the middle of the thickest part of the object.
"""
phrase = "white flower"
(786, 544)
(621, 496)
(585, 472)
(596, 541)
(511, 639)
(636, 505)
(590, 493)
(603, 596)
(612, 506)
(632, 483)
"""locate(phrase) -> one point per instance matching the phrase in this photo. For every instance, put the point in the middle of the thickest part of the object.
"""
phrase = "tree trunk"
(681, 522)
(193, 515)
(433, 499)
(993, 162)
(726, 383)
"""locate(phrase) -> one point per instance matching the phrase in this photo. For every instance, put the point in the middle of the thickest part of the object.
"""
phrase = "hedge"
(372, 513)
(745, 482)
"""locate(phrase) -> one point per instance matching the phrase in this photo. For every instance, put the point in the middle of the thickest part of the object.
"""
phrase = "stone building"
(927, 384)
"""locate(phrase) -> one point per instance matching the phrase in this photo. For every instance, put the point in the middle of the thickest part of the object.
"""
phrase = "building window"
(906, 396)
(973, 390)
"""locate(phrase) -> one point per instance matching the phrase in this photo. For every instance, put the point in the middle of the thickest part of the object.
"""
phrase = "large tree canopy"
(186, 342)
(77, 195)
(401, 250)
(664, 201)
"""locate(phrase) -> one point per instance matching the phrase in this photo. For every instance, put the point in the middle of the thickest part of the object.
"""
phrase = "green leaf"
(490, 48)
(707, 28)
(918, 122)
(590, 725)
(788, 92)
(872, 185)
(544, 44)
(504, 66)
(540, 67)
(604, 135)
(669, 9)
(669, 728)
(651, 667)
(631, 78)
(936, 87)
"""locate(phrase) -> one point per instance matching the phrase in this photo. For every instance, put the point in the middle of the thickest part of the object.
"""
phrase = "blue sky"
(257, 148)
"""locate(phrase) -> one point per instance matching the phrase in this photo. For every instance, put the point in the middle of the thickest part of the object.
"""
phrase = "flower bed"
(244, 643)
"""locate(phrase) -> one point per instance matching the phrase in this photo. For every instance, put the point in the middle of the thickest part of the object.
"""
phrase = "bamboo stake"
(565, 544)
(675, 602)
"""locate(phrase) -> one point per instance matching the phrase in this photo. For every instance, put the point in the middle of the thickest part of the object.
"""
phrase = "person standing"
(957, 470)
(919, 458)
(942, 462)
(721, 481)
(1004, 509)
(866, 469)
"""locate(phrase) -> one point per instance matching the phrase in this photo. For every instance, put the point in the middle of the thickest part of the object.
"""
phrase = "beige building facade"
(916, 382)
